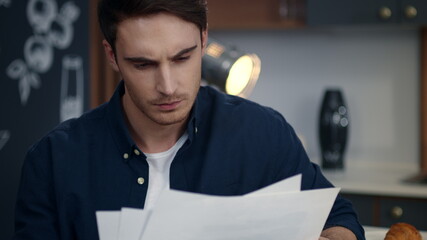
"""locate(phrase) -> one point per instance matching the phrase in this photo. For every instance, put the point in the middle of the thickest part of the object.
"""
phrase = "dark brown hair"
(112, 12)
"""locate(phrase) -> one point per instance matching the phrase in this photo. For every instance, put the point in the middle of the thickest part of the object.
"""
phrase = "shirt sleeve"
(296, 161)
(35, 215)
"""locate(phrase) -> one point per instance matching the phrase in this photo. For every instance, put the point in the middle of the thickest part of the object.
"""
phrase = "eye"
(142, 65)
(182, 58)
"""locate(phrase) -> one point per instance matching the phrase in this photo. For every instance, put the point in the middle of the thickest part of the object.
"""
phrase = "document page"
(279, 211)
(294, 215)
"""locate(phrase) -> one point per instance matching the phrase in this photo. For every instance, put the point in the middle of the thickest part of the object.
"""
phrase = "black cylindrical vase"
(333, 129)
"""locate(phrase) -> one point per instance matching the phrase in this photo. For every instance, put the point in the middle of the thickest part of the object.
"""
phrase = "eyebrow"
(184, 51)
(144, 59)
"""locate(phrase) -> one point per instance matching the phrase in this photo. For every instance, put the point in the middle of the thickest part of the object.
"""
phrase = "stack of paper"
(279, 211)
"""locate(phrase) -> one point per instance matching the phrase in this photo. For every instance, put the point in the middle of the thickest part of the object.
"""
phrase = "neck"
(148, 135)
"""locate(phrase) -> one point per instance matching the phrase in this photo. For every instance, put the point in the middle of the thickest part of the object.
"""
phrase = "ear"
(110, 55)
(204, 40)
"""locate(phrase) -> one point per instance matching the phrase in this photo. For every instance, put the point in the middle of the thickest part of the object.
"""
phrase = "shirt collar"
(120, 132)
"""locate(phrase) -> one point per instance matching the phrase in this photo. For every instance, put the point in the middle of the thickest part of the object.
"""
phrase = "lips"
(168, 106)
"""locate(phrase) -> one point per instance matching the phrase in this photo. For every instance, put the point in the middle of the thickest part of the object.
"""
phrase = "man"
(159, 130)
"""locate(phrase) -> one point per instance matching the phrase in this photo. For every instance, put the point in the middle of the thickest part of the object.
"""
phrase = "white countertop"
(377, 178)
(378, 233)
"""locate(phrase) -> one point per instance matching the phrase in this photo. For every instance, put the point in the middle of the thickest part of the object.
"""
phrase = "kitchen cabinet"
(380, 194)
(255, 14)
(384, 211)
(341, 12)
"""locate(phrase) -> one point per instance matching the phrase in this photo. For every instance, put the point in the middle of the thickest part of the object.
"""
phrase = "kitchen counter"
(378, 178)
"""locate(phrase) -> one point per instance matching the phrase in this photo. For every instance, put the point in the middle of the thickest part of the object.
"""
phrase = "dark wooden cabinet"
(413, 211)
(341, 12)
(413, 11)
(384, 211)
(268, 14)
(256, 14)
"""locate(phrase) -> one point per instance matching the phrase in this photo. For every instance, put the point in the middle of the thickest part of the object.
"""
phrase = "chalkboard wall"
(43, 81)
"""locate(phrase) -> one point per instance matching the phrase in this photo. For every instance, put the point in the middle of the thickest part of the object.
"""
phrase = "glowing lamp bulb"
(243, 75)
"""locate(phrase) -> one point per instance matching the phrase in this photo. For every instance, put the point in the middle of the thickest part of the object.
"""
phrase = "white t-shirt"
(158, 171)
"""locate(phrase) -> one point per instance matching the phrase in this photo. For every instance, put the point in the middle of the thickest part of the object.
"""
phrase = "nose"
(165, 82)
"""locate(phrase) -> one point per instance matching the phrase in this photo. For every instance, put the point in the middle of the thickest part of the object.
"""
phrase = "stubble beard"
(167, 118)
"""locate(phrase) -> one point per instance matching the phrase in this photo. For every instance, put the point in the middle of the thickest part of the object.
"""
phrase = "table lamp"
(232, 71)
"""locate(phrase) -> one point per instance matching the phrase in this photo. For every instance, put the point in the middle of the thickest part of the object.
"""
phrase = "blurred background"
(52, 68)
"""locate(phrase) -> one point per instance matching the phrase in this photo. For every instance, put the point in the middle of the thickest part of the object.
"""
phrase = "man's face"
(159, 58)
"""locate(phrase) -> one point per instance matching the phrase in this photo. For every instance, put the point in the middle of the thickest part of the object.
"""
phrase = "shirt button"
(136, 152)
(196, 130)
(141, 180)
(125, 156)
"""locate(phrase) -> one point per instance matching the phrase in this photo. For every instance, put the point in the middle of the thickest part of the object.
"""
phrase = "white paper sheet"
(292, 184)
(297, 216)
(279, 211)
(132, 223)
(108, 224)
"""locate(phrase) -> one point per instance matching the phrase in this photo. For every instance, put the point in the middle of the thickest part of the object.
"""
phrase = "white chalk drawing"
(41, 13)
(52, 29)
(5, 3)
(27, 79)
(4, 138)
(38, 54)
(71, 102)
(61, 38)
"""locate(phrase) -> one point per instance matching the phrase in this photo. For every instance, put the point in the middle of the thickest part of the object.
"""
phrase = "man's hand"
(337, 233)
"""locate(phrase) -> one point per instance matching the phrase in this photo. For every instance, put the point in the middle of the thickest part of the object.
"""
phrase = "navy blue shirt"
(234, 147)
